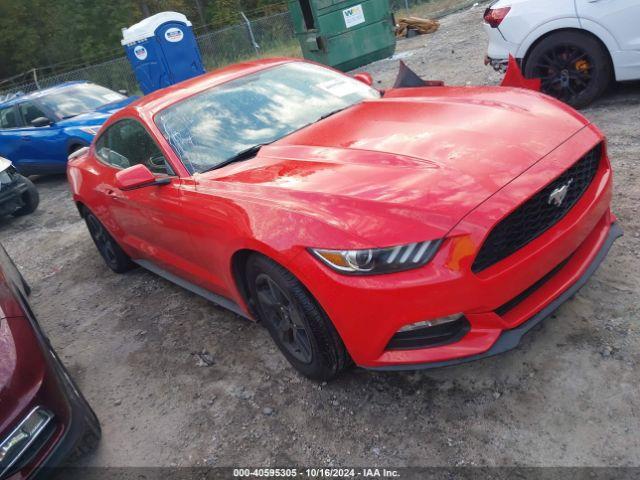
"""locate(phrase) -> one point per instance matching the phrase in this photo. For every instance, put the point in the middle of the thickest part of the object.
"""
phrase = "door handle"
(113, 193)
(25, 139)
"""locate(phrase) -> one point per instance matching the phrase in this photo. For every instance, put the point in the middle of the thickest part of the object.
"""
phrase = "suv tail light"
(494, 16)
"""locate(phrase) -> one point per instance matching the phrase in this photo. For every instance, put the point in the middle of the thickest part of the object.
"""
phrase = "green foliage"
(56, 36)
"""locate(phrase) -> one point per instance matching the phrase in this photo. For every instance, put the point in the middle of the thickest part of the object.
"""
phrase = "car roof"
(41, 93)
(156, 101)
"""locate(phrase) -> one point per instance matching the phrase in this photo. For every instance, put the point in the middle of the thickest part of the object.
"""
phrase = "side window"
(127, 143)
(9, 118)
(30, 112)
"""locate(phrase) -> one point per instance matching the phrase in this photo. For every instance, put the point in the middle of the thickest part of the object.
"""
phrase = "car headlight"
(91, 130)
(372, 261)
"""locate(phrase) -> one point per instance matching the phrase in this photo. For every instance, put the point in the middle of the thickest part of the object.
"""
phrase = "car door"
(621, 20)
(38, 149)
(9, 138)
(149, 220)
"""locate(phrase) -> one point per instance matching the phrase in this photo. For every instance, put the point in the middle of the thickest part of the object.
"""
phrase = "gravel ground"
(178, 381)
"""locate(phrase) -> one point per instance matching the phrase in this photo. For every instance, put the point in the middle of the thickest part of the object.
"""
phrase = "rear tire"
(574, 67)
(88, 442)
(295, 321)
(30, 198)
(115, 258)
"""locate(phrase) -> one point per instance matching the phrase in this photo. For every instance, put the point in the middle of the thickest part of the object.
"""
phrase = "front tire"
(295, 321)
(115, 258)
(30, 198)
(574, 67)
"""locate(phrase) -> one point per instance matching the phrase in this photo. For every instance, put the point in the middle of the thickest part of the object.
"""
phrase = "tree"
(65, 34)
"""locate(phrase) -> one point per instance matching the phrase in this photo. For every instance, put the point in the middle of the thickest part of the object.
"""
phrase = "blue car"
(40, 130)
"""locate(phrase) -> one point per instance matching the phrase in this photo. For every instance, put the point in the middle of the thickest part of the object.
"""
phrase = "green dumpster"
(344, 34)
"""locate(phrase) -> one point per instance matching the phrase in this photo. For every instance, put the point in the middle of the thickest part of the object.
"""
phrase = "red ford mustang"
(413, 228)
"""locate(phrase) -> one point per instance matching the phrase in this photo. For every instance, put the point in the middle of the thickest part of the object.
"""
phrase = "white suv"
(577, 47)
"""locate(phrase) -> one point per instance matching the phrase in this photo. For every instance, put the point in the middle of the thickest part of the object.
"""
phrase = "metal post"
(406, 5)
(35, 78)
(251, 37)
(201, 15)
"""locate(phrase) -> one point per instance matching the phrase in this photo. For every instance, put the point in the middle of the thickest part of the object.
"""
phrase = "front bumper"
(73, 424)
(368, 311)
(510, 339)
(81, 432)
(11, 197)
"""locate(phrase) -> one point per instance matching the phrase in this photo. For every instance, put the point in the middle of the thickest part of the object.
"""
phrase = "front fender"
(545, 28)
(610, 43)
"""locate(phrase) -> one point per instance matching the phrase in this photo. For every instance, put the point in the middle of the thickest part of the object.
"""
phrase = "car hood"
(98, 116)
(418, 159)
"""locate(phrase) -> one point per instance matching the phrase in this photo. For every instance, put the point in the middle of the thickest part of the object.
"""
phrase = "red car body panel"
(446, 282)
(417, 164)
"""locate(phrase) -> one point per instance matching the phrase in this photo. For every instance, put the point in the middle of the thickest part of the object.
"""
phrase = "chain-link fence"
(267, 36)
(115, 74)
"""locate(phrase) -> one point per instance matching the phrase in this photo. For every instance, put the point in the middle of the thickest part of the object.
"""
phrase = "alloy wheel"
(285, 318)
(565, 70)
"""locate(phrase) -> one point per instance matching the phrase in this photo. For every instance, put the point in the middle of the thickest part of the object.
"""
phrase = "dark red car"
(410, 228)
(44, 419)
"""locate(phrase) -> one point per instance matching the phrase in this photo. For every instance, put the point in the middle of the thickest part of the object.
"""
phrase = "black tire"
(574, 67)
(88, 443)
(30, 198)
(115, 258)
(297, 324)
(74, 148)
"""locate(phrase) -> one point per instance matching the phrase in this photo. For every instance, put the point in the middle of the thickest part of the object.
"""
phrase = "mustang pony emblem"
(558, 195)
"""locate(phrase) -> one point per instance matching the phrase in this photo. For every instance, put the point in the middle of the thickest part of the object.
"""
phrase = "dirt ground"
(568, 396)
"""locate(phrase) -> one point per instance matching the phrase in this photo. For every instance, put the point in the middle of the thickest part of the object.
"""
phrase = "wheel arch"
(74, 144)
(82, 208)
(582, 31)
(238, 268)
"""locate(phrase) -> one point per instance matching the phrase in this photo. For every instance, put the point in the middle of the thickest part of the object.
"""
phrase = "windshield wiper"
(326, 115)
(253, 150)
(241, 155)
(322, 117)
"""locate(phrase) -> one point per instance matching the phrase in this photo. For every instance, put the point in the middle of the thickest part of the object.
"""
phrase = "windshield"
(77, 99)
(214, 126)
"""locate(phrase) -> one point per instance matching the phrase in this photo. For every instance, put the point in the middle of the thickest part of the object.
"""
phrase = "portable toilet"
(344, 34)
(162, 50)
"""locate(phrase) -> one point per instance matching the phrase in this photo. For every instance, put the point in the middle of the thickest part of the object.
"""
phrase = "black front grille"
(539, 213)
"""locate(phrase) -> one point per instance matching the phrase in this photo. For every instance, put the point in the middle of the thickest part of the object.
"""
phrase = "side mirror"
(364, 77)
(40, 122)
(124, 92)
(138, 176)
